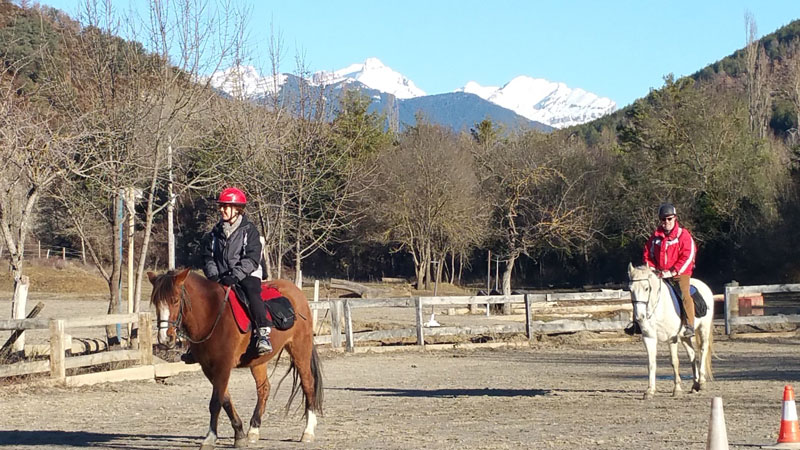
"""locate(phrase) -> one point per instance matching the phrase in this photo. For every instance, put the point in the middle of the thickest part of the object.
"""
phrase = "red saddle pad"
(268, 292)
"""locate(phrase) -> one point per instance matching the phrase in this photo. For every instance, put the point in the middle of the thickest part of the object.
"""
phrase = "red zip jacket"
(675, 251)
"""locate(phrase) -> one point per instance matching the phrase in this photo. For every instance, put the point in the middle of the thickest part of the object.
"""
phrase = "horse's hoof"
(253, 436)
(697, 387)
(647, 396)
(207, 447)
(307, 437)
(240, 443)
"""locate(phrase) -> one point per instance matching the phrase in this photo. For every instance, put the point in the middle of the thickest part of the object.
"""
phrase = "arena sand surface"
(557, 394)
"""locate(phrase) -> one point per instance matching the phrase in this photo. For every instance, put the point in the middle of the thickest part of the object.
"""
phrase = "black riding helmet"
(666, 210)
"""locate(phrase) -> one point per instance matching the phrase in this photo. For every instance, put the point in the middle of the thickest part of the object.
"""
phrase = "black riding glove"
(214, 278)
(228, 280)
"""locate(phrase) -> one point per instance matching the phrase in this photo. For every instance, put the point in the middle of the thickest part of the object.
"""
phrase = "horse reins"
(178, 322)
(658, 296)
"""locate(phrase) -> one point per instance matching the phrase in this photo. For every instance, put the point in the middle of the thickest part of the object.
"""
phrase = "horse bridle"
(178, 322)
(649, 294)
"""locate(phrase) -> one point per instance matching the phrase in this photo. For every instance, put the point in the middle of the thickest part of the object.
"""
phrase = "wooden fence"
(341, 320)
(59, 362)
(731, 296)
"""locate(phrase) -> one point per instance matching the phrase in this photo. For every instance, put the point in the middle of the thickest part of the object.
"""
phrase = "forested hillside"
(91, 123)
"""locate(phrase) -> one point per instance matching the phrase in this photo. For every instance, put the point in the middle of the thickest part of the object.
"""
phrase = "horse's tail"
(316, 373)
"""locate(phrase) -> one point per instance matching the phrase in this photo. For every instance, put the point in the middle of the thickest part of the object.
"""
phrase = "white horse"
(659, 318)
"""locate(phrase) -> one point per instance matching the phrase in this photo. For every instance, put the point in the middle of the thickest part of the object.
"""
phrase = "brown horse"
(196, 307)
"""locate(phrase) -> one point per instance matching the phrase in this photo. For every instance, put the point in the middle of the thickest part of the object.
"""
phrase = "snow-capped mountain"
(535, 99)
(545, 101)
(373, 74)
(245, 81)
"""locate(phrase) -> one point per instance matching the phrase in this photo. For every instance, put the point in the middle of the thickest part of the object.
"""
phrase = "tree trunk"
(507, 282)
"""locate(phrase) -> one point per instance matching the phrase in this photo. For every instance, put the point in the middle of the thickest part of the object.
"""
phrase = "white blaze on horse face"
(162, 310)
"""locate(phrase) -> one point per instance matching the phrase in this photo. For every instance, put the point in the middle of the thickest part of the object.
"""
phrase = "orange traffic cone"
(790, 432)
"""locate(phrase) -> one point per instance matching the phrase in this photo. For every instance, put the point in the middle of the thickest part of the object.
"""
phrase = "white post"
(131, 213)
(170, 213)
(18, 308)
(315, 312)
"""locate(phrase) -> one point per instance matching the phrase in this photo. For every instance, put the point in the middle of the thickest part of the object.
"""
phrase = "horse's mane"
(164, 287)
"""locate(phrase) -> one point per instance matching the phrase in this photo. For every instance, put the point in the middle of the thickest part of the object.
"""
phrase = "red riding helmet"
(232, 196)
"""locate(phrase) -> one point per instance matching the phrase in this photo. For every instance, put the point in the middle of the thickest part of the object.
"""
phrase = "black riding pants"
(258, 312)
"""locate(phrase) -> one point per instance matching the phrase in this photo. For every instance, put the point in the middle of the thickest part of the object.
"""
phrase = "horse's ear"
(181, 276)
(152, 277)
(630, 270)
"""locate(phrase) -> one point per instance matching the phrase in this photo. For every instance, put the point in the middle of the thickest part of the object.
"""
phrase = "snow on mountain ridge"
(245, 81)
(544, 101)
(537, 99)
(375, 75)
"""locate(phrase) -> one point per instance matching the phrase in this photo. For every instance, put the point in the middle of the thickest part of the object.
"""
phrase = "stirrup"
(263, 344)
(688, 331)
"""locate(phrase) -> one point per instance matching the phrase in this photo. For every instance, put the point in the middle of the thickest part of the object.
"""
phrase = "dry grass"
(58, 276)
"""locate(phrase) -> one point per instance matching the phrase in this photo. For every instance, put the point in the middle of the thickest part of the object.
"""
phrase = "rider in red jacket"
(671, 252)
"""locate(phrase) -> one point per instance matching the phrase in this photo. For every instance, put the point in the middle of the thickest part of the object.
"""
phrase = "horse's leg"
(262, 391)
(687, 344)
(704, 332)
(221, 397)
(213, 408)
(673, 355)
(650, 345)
(301, 353)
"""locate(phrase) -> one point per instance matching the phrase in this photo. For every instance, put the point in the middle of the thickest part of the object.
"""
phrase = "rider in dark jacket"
(231, 254)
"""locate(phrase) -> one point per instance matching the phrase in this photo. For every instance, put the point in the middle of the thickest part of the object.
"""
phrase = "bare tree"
(35, 147)
(536, 186)
(427, 200)
(143, 102)
(757, 79)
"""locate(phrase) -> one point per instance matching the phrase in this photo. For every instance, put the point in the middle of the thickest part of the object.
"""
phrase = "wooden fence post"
(731, 304)
(58, 367)
(18, 306)
(348, 327)
(146, 338)
(6, 349)
(528, 317)
(336, 326)
(420, 336)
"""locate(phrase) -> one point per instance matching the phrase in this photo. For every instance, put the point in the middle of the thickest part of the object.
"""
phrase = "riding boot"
(688, 331)
(188, 357)
(633, 328)
(263, 344)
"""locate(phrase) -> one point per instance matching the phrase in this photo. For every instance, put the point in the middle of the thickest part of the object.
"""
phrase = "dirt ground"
(561, 392)
(549, 395)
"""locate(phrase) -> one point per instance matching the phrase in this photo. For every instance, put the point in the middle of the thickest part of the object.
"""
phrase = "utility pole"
(170, 212)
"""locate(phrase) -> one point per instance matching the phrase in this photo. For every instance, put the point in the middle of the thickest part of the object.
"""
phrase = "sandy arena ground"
(556, 394)
(562, 392)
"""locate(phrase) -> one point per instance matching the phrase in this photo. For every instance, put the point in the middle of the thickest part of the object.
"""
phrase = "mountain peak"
(545, 101)
(244, 81)
(374, 74)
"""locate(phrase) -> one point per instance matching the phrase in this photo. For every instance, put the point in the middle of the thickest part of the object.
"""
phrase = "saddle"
(700, 307)
(279, 308)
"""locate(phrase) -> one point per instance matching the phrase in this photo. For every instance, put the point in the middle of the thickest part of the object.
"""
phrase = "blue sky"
(616, 49)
